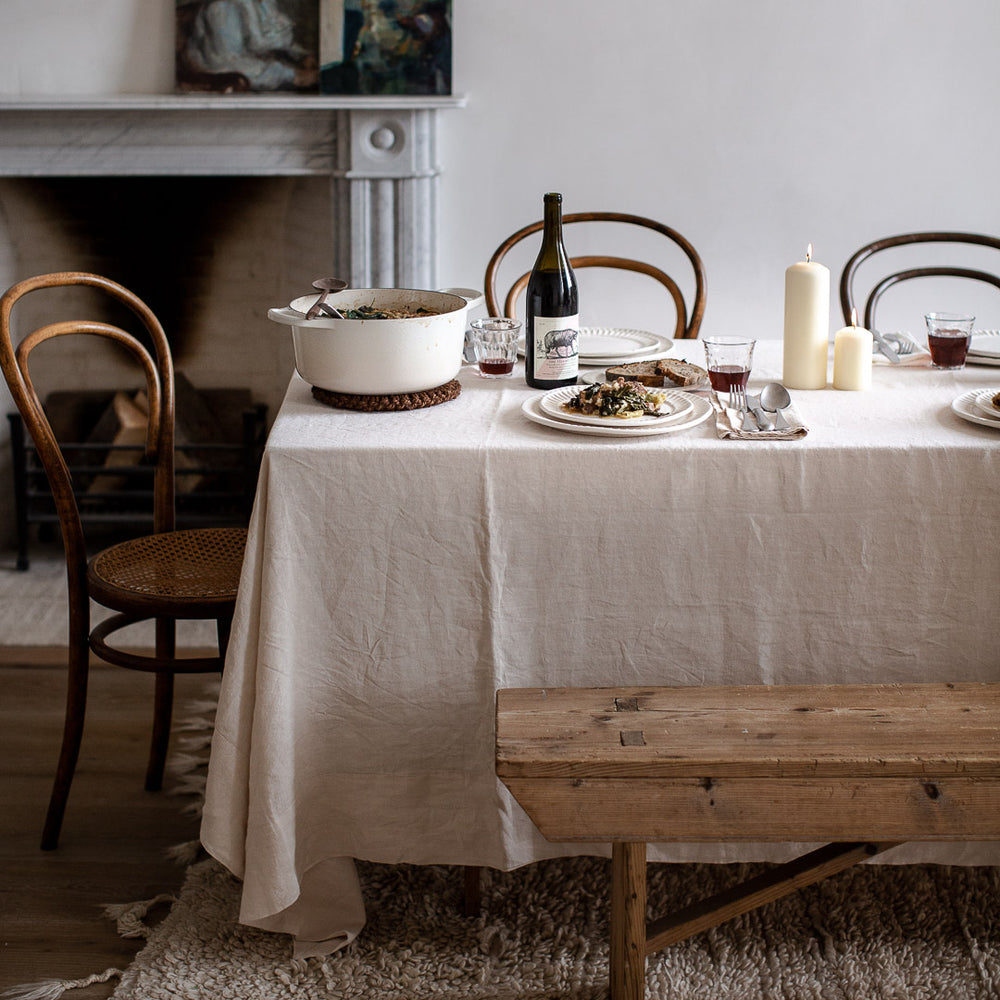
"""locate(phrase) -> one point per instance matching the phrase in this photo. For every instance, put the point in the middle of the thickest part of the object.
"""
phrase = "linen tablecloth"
(403, 566)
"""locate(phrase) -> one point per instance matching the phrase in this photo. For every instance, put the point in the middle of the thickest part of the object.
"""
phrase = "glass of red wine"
(729, 360)
(494, 340)
(948, 338)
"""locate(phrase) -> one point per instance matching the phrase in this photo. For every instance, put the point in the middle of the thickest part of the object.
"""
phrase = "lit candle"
(852, 356)
(807, 324)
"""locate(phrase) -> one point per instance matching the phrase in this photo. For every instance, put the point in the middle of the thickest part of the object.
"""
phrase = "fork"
(738, 398)
(903, 343)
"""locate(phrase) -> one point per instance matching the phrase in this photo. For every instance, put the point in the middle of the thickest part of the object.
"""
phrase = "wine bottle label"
(557, 347)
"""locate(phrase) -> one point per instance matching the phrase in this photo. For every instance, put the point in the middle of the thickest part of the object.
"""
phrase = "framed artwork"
(385, 46)
(233, 46)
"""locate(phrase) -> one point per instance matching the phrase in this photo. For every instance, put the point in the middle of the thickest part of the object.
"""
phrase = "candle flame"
(809, 253)
(854, 316)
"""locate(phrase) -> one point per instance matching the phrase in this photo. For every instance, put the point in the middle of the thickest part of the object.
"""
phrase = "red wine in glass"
(724, 377)
(496, 366)
(948, 348)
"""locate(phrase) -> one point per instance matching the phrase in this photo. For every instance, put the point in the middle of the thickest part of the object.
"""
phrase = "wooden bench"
(865, 767)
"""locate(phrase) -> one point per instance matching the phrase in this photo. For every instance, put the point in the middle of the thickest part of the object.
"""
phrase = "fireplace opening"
(220, 436)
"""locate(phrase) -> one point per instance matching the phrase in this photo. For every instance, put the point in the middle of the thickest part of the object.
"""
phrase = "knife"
(885, 347)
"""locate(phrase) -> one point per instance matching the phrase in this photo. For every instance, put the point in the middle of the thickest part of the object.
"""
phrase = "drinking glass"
(729, 360)
(948, 338)
(494, 341)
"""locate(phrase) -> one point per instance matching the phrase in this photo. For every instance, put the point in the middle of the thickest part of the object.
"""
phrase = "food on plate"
(370, 312)
(996, 401)
(619, 398)
(660, 372)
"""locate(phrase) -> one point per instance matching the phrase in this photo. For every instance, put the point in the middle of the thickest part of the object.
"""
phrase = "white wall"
(752, 127)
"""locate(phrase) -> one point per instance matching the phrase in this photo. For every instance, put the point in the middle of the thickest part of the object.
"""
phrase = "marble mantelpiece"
(380, 154)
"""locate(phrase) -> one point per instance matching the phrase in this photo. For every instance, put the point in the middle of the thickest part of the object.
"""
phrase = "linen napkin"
(729, 424)
(919, 356)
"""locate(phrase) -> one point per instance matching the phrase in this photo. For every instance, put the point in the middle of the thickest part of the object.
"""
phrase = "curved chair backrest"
(848, 301)
(158, 369)
(687, 325)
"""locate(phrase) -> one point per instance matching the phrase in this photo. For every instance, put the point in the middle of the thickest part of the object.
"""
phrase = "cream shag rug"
(905, 933)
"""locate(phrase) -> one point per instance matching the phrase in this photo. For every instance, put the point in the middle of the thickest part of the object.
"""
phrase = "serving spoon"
(774, 398)
(325, 286)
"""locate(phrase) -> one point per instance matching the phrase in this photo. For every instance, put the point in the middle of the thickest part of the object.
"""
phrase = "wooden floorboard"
(115, 834)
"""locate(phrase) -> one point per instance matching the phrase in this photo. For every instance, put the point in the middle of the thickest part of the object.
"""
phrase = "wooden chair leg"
(628, 921)
(223, 626)
(162, 707)
(472, 898)
(76, 708)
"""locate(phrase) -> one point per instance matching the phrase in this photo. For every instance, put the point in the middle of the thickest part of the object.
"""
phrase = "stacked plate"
(606, 345)
(681, 412)
(977, 406)
(984, 349)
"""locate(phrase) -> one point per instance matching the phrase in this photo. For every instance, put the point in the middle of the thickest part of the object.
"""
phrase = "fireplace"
(218, 208)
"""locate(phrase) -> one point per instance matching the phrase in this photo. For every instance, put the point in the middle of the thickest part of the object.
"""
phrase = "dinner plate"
(702, 410)
(984, 348)
(614, 342)
(965, 406)
(984, 400)
(678, 404)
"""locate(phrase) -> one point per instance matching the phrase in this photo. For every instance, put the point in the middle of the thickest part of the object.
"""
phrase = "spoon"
(774, 398)
(325, 286)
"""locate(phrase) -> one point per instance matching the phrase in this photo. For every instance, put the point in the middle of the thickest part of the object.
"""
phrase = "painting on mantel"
(385, 46)
(235, 46)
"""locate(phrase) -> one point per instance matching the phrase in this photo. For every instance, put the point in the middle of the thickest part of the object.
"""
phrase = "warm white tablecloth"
(403, 566)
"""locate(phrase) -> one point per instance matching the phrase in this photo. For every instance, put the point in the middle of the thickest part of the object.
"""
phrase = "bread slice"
(681, 372)
(659, 373)
(644, 372)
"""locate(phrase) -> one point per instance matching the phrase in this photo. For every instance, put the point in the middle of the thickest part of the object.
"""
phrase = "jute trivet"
(402, 401)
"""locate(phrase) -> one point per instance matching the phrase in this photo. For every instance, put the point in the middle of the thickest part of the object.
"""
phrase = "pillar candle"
(852, 357)
(807, 324)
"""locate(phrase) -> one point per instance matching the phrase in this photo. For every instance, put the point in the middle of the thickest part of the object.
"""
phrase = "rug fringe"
(185, 854)
(53, 989)
(128, 916)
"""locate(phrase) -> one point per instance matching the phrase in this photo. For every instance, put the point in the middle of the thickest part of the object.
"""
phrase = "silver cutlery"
(764, 422)
(774, 398)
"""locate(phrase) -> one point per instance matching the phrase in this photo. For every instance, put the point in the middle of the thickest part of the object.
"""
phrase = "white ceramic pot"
(380, 356)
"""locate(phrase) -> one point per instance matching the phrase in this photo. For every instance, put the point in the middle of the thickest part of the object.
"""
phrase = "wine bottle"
(552, 312)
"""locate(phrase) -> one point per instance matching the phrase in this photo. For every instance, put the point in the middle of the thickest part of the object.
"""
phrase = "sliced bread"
(644, 372)
(660, 372)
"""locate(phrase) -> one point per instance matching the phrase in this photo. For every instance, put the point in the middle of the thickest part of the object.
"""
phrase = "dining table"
(403, 566)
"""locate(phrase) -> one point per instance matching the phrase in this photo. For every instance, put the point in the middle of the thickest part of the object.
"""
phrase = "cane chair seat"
(189, 574)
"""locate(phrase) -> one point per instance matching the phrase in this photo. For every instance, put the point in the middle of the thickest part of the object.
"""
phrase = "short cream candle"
(807, 324)
(852, 357)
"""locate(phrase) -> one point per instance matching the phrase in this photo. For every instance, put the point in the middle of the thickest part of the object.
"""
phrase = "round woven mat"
(402, 401)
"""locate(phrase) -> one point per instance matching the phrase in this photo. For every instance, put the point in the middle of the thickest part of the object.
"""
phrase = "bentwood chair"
(166, 576)
(687, 324)
(849, 299)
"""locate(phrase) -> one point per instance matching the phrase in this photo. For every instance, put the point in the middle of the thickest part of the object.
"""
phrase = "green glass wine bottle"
(552, 310)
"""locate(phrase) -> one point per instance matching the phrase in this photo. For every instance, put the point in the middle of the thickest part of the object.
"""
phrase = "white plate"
(985, 344)
(637, 345)
(614, 342)
(965, 406)
(592, 378)
(679, 404)
(984, 400)
(701, 412)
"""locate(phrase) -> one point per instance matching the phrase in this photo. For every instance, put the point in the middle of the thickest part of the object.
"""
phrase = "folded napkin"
(918, 356)
(729, 424)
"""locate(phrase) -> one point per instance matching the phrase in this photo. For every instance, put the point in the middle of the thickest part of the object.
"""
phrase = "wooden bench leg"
(628, 921)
